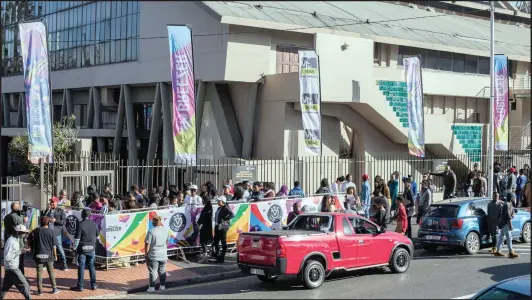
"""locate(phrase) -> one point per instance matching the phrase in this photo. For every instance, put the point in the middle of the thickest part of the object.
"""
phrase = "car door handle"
(361, 241)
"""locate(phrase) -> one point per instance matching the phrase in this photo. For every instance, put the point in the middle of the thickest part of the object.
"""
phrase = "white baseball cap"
(221, 198)
(194, 187)
(21, 228)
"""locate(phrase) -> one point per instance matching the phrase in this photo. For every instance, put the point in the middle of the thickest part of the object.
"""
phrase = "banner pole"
(491, 147)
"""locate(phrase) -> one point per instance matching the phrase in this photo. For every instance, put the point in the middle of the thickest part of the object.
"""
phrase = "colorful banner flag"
(34, 48)
(500, 109)
(184, 100)
(416, 128)
(310, 99)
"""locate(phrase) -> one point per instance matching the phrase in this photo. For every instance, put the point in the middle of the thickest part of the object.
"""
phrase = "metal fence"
(76, 172)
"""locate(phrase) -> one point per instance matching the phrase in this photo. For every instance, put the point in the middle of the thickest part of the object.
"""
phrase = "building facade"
(110, 68)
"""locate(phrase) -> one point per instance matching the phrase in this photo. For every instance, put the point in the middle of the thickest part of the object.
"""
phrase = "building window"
(483, 65)
(471, 64)
(432, 58)
(458, 62)
(80, 33)
(287, 59)
(377, 48)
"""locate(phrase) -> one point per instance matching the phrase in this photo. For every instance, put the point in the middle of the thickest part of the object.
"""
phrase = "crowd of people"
(385, 202)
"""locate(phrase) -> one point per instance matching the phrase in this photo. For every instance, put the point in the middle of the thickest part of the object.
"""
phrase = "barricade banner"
(73, 217)
(125, 233)
(268, 215)
(178, 221)
(33, 215)
(240, 223)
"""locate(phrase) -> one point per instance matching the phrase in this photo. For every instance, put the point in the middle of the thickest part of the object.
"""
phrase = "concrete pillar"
(6, 116)
(154, 134)
(90, 113)
(254, 95)
(63, 105)
(69, 102)
(168, 139)
(119, 123)
(96, 97)
(131, 130)
(200, 106)
(226, 120)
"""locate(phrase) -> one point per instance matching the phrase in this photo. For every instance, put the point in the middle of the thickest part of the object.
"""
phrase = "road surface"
(444, 274)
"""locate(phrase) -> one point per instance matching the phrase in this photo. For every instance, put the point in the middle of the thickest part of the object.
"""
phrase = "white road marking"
(466, 296)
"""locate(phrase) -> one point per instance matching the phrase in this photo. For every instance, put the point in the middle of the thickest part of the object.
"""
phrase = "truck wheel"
(472, 243)
(400, 260)
(267, 278)
(525, 233)
(429, 247)
(313, 274)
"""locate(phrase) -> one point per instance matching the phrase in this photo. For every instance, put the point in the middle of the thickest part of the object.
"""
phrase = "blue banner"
(34, 48)
(416, 128)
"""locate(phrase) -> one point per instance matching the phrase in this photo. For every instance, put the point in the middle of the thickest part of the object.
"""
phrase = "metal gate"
(78, 181)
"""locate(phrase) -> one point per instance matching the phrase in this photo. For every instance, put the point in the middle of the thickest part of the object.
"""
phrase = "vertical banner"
(183, 94)
(500, 111)
(416, 128)
(34, 47)
(310, 98)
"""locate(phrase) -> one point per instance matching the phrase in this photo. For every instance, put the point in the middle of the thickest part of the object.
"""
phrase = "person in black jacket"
(222, 220)
(43, 244)
(408, 195)
(13, 219)
(205, 223)
(57, 221)
(85, 245)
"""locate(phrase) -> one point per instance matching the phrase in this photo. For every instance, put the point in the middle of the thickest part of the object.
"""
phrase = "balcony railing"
(520, 137)
(521, 84)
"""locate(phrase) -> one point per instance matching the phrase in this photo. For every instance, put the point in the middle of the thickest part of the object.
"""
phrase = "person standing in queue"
(156, 254)
(365, 195)
(12, 253)
(85, 245)
(57, 221)
(222, 221)
(408, 195)
(205, 227)
(505, 227)
(43, 244)
(402, 221)
(11, 221)
(494, 212)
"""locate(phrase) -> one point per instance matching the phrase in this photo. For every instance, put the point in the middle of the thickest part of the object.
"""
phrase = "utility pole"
(491, 148)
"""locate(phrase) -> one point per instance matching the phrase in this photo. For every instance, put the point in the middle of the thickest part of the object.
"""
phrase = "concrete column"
(63, 105)
(226, 119)
(154, 134)
(200, 106)
(90, 113)
(6, 116)
(69, 102)
(168, 139)
(254, 95)
(21, 116)
(96, 96)
(119, 123)
(131, 130)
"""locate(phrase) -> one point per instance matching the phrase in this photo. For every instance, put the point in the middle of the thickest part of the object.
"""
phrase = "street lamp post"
(491, 148)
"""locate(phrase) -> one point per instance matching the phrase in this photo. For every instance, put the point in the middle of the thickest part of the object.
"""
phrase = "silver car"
(509, 289)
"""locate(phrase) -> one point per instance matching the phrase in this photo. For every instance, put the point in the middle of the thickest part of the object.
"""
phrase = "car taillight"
(240, 241)
(457, 223)
(281, 251)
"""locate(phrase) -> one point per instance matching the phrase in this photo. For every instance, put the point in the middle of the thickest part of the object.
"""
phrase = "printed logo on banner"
(37, 131)
(308, 208)
(309, 66)
(312, 137)
(178, 222)
(275, 213)
(310, 102)
(72, 224)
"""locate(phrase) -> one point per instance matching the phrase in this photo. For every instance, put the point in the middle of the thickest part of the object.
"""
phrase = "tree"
(65, 135)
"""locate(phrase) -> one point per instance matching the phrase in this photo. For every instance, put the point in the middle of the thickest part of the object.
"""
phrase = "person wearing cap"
(57, 221)
(193, 198)
(222, 220)
(365, 195)
(156, 254)
(227, 192)
(12, 253)
(85, 244)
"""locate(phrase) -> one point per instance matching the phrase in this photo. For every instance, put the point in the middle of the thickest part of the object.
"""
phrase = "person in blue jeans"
(504, 224)
(85, 245)
(57, 222)
(520, 187)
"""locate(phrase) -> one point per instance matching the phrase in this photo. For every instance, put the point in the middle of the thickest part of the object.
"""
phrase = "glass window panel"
(135, 27)
(71, 58)
(123, 27)
(403, 51)
(70, 38)
(99, 31)
(61, 60)
(483, 65)
(93, 12)
(96, 54)
(107, 29)
(471, 64)
(52, 60)
(79, 55)
(458, 62)
(52, 20)
(71, 18)
(114, 25)
(445, 61)
(130, 7)
(431, 59)
(113, 9)
(106, 9)
(118, 11)
(91, 55)
(124, 7)
(130, 25)
(99, 11)
(129, 47)
(107, 56)
(79, 16)
(92, 28)
(118, 47)
(113, 52)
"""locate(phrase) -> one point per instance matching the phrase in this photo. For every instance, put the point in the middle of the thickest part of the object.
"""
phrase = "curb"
(181, 282)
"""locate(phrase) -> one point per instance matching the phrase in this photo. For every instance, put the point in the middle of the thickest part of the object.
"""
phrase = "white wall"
(154, 60)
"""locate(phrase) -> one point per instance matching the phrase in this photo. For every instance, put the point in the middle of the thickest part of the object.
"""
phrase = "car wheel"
(526, 233)
(268, 278)
(472, 243)
(400, 260)
(429, 247)
(313, 274)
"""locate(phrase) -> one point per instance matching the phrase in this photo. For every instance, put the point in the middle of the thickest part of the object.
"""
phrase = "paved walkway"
(118, 281)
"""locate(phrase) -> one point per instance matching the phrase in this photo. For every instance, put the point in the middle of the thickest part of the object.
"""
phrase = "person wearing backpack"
(43, 243)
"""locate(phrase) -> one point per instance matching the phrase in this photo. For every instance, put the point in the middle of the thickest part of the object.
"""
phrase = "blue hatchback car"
(462, 222)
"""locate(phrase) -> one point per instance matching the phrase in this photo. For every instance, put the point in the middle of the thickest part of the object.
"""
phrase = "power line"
(330, 26)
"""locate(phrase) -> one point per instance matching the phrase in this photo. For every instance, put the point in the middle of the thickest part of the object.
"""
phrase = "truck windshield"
(311, 223)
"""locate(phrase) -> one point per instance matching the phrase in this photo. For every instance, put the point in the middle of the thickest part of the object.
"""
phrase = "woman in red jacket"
(402, 218)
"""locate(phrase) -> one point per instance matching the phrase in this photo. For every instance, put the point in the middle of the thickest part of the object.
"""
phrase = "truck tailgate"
(257, 249)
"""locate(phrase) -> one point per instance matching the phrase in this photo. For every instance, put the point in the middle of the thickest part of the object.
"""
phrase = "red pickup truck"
(314, 245)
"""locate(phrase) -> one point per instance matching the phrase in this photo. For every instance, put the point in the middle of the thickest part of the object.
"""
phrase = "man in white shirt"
(348, 183)
(193, 198)
(13, 276)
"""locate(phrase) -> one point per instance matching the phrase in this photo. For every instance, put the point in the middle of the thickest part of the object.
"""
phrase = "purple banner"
(34, 48)
(184, 100)
(500, 109)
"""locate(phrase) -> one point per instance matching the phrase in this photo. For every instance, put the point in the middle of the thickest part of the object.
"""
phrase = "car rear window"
(496, 293)
(311, 223)
(443, 211)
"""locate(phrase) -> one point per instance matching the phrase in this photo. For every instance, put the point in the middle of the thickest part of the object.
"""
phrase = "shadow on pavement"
(502, 272)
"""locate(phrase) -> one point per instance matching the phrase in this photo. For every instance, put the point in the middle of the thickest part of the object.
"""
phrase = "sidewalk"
(124, 281)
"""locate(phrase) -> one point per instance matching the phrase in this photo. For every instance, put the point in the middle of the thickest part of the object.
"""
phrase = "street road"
(444, 274)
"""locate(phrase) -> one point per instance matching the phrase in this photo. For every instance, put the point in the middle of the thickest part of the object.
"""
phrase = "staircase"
(470, 138)
(397, 97)
(520, 137)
